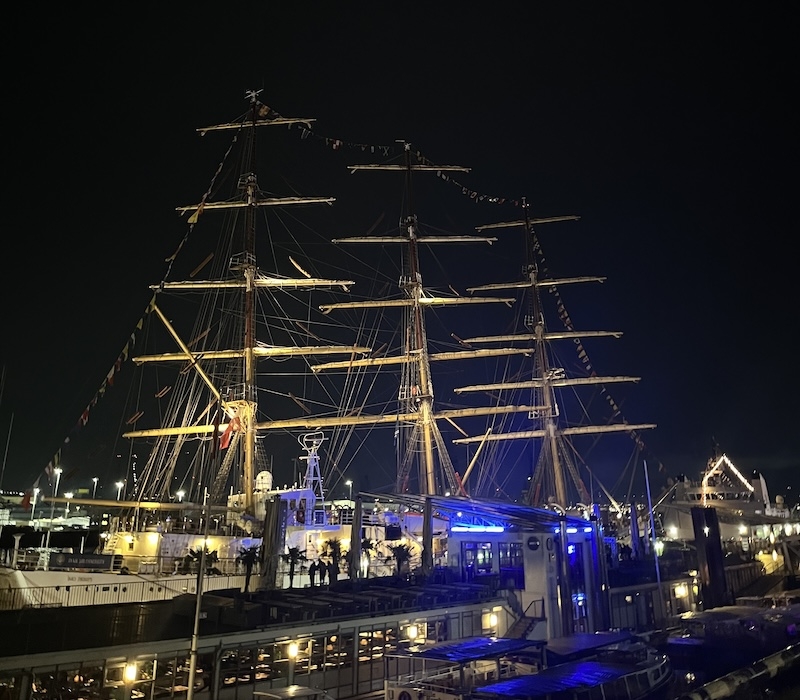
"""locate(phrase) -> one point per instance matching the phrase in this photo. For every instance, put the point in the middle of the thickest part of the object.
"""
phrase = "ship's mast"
(421, 387)
(535, 321)
(552, 463)
(239, 402)
(416, 387)
(247, 411)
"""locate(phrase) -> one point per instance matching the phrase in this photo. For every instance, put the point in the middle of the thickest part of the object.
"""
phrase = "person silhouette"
(312, 572)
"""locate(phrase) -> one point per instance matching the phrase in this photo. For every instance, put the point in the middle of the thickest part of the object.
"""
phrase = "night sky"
(667, 129)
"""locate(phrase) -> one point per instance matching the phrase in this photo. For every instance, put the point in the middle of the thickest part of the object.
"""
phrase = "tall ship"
(266, 344)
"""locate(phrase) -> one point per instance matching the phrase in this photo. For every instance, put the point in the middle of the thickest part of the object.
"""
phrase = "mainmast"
(419, 378)
(246, 409)
(416, 393)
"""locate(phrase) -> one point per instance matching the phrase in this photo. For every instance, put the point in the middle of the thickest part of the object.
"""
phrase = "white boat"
(602, 665)
(742, 504)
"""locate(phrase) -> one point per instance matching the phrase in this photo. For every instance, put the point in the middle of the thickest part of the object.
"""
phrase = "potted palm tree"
(401, 553)
(248, 556)
(293, 557)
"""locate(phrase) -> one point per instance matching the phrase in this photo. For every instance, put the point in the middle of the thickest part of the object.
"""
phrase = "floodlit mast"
(545, 378)
(239, 402)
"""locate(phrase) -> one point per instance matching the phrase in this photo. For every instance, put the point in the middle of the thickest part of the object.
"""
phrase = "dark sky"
(667, 129)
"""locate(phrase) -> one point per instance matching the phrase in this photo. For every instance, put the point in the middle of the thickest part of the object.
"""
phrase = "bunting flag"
(583, 356)
(337, 144)
(108, 381)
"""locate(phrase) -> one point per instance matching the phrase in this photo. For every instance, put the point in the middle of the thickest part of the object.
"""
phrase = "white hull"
(21, 589)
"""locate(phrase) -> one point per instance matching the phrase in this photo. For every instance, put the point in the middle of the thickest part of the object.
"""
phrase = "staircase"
(763, 586)
(527, 620)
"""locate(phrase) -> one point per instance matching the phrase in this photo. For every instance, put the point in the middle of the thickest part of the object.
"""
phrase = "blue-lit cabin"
(555, 565)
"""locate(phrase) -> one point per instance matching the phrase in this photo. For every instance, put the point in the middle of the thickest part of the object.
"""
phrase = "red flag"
(26, 498)
(225, 440)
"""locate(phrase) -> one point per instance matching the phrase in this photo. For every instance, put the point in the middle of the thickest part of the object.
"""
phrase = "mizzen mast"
(545, 378)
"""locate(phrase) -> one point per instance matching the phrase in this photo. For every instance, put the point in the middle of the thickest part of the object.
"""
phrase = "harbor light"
(130, 673)
(94, 486)
(349, 484)
(119, 485)
(292, 651)
(69, 496)
(180, 495)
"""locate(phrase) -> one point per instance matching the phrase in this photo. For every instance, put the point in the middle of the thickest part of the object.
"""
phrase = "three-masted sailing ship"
(249, 353)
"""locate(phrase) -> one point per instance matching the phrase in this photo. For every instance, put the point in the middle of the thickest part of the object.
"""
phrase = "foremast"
(239, 403)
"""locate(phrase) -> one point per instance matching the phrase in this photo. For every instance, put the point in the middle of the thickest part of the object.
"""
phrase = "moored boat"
(611, 665)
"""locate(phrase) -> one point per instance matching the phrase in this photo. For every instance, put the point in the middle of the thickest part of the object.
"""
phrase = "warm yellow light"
(492, 620)
(412, 632)
(681, 590)
(130, 673)
(774, 555)
(742, 529)
(128, 539)
(293, 650)
(152, 537)
(673, 532)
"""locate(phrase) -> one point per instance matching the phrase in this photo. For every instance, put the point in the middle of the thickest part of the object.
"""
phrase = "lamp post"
(57, 472)
(119, 485)
(69, 496)
(94, 486)
(181, 494)
(33, 504)
(349, 484)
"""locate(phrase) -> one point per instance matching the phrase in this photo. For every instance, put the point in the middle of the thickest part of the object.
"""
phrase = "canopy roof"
(470, 649)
